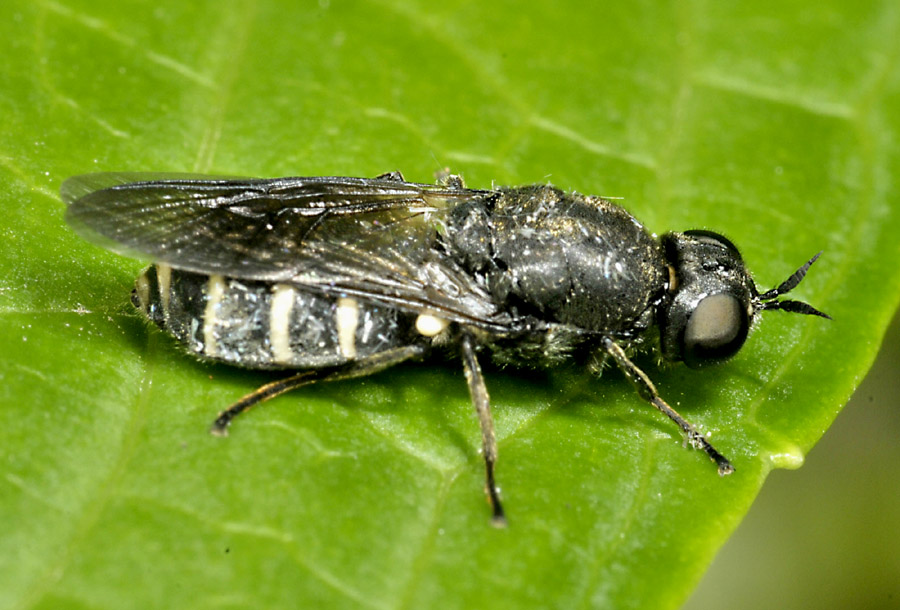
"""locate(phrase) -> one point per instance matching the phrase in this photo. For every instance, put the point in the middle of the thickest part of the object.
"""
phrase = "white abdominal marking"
(215, 290)
(280, 321)
(346, 318)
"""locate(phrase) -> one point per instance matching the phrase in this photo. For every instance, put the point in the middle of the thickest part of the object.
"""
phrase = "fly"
(335, 278)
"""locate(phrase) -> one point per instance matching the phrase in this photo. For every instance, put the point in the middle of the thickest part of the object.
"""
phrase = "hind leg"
(356, 368)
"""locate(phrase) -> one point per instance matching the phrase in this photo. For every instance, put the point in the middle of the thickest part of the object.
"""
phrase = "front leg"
(647, 391)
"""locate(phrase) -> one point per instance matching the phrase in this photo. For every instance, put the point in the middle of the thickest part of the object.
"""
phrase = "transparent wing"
(371, 238)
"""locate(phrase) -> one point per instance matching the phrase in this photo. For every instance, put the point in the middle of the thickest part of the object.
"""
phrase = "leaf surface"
(775, 124)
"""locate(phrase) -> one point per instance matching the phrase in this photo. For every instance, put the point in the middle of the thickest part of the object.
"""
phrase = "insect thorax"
(562, 257)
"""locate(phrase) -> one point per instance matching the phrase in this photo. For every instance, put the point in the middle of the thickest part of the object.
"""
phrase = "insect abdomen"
(263, 325)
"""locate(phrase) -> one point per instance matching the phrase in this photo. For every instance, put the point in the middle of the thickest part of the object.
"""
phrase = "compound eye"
(715, 331)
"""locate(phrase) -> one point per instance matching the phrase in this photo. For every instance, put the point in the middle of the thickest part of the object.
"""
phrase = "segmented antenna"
(765, 300)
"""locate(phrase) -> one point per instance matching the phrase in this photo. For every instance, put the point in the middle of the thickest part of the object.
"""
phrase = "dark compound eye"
(715, 331)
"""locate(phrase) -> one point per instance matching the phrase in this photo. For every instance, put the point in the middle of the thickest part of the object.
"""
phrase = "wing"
(370, 238)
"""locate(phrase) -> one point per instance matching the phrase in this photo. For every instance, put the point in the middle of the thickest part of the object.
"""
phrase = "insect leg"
(481, 400)
(357, 368)
(647, 391)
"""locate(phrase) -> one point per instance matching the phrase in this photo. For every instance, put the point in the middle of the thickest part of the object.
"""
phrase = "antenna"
(765, 300)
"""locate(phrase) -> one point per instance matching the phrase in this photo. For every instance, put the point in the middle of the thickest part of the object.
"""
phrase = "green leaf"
(776, 124)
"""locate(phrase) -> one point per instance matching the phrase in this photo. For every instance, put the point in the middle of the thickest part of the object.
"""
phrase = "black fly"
(342, 277)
